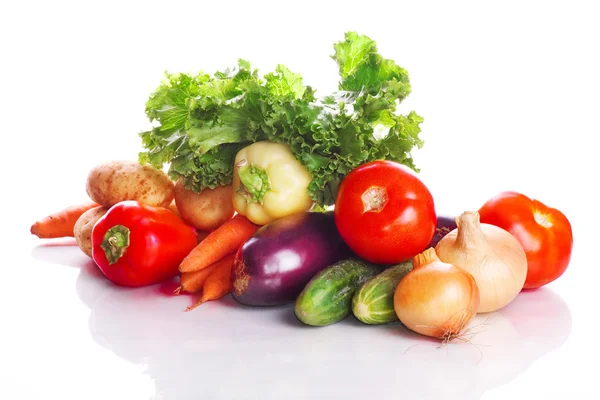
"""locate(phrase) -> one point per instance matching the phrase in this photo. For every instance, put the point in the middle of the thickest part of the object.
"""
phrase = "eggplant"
(445, 225)
(275, 264)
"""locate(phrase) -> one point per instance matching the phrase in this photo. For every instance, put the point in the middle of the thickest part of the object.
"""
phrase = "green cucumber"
(373, 302)
(327, 298)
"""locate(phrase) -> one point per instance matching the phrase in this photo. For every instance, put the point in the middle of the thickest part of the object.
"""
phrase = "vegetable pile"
(257, 187)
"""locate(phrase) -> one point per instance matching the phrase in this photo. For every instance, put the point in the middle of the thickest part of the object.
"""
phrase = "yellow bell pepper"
(269, 183)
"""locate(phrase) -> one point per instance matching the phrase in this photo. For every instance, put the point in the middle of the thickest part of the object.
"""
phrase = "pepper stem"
(115, 242)
(254, 182)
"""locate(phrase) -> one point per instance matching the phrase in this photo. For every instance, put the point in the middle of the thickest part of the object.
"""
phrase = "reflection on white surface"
(226, 350)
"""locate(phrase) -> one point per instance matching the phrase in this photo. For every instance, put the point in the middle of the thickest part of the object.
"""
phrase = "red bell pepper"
(544, 232)
(135, 244)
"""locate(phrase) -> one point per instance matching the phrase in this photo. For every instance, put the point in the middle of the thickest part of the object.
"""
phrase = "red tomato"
(384, 212)
(545, 234)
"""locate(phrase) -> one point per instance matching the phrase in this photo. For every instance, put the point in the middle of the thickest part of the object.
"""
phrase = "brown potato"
(205, 210)
(83, 228)
(115, 181)
(174, 209)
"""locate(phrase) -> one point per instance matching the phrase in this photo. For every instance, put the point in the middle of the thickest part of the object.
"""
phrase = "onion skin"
(492, 255)
(436, 299)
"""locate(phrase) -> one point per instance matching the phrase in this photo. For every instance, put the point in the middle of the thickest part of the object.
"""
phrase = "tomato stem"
(542, 219)
(374, 199)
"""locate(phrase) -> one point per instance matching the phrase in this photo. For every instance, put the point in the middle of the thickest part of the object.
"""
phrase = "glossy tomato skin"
(384, 212)
(544, 232)
(158, 240)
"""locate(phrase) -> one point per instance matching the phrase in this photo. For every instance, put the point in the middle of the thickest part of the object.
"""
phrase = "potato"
(83, 228)
(205, 210)
(174, 209)
(115, 181)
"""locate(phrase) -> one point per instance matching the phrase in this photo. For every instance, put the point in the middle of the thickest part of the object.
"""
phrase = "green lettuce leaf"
(361, 67)
(283, 83)
(202, 121)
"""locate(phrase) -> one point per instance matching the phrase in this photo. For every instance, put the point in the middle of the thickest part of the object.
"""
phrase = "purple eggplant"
(275, 264)
(445, 225)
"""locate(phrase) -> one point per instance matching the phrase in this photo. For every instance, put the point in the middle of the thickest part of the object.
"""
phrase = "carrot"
(218, 283)
(60, 223)
(224, 240)
(192, 282)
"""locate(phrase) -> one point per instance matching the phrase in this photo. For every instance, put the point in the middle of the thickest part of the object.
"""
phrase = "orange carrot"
(61, 223)
(224, 240)
(192, 282)
(218, 283)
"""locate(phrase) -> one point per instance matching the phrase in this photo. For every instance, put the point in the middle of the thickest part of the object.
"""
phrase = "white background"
(509, 93)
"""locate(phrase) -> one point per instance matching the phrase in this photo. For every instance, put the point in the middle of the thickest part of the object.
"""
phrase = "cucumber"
(327, 298)
(373, 302)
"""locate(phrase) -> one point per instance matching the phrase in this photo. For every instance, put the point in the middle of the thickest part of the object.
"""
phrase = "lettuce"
(201, 121)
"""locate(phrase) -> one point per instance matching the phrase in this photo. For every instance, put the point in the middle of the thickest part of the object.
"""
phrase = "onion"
(436, 299)
(492, 255)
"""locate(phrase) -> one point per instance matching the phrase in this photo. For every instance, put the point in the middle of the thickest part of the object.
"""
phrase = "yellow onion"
(436, 299)
(492, 255)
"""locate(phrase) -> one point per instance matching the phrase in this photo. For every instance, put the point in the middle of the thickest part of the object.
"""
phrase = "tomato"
(384, 212)
(135, 244)
(545, 234)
